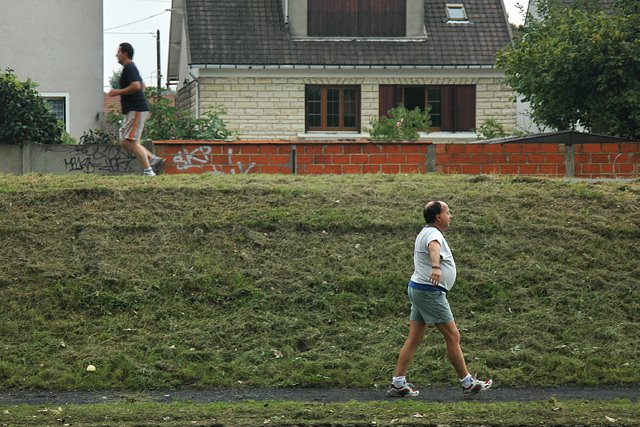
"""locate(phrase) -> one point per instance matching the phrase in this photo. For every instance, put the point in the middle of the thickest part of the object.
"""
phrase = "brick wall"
(605, 160)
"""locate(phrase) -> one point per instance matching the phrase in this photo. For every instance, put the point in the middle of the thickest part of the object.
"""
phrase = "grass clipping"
(283, 281)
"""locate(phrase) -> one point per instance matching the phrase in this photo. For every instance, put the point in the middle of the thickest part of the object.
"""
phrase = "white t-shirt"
(422, 260)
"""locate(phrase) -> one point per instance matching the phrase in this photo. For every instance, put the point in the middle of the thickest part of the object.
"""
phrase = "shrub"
(491, 128)
(166, 122)
(400, 125)
(24, 115)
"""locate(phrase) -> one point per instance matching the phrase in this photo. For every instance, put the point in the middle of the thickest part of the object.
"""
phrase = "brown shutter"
(389, 97)
(331, 18)
(382, 18)
(465, 107)
(447, 108)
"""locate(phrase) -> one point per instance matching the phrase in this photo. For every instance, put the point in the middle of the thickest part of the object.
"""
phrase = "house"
(57, 44)
(314, 69)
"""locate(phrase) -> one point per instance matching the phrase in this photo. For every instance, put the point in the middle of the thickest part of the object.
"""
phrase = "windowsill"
(437, 137)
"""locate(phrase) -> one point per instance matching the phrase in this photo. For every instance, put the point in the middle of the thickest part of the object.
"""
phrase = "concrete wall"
(273, 106)
(58, 44)
(67, 159)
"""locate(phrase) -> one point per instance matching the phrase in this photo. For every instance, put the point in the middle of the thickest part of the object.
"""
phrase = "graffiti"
(95, 158)
(200, 156)
(220, 171)
(194, 159)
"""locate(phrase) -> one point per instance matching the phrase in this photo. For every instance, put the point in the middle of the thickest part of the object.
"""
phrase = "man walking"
(433, 277)
(135, 110)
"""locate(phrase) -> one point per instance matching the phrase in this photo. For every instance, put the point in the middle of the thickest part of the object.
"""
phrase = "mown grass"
(284, 281)
(353, 414)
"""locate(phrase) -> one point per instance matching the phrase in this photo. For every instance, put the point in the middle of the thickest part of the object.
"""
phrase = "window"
(453, 107)
(59, 105)
(332, 108)
(456, 13)
(356, 18)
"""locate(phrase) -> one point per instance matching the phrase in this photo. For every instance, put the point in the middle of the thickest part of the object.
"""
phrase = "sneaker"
(406, 390)
(149, 173)
(477, 386)
(157, 164)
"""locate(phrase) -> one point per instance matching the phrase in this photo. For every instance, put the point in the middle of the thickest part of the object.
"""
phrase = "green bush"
(166, 123)
(400, 125)
(491, 129)
(24, 115)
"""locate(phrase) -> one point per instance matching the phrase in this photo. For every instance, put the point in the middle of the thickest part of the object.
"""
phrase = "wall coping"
(285, 142)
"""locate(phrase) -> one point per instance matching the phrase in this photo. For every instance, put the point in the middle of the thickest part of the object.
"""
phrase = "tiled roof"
(253, 32)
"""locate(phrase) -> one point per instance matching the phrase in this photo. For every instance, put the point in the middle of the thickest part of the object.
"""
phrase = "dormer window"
(456, 13)
(356, 18)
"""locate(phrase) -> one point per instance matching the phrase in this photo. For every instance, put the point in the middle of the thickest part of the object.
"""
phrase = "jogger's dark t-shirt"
(133, 101)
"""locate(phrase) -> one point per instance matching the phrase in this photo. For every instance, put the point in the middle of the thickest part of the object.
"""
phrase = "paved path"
(324, 395)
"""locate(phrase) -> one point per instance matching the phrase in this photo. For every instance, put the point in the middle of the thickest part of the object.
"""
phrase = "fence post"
(26, 157)
(569, 157)
(431, 158)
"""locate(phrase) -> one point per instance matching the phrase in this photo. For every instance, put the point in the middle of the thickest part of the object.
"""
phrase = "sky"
(137, 22)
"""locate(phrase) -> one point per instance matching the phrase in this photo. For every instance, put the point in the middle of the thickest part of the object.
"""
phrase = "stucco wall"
(58, 44)
(272, 108)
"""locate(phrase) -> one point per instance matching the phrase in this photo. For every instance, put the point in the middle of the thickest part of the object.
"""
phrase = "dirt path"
(323, 395)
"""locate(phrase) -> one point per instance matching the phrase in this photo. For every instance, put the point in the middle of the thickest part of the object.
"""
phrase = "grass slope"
(201, 281)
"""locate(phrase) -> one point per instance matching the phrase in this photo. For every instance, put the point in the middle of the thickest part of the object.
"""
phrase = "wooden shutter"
(447, 108)
(389, 96)
(382, 18)
(465, 107)
(332, 18)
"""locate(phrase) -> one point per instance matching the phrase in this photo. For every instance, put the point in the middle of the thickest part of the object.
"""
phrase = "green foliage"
(491, 128)
(400, 125)
(24, 115)
(165, 122)
(68, 139)
(579, 66)
(114, 80)
(97, 136)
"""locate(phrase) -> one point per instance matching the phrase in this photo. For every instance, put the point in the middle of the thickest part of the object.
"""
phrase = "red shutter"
(330, 18)
(382, 18)
(389, 97)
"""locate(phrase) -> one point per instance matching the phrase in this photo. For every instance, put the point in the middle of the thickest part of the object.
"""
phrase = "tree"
(114, 80)
(579, 66)
(24, 115)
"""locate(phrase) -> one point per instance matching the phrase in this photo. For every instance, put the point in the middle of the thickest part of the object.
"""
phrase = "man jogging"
(135, 110)
(433, 276)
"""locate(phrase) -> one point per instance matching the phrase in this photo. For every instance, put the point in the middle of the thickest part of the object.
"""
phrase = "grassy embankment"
(300, 281)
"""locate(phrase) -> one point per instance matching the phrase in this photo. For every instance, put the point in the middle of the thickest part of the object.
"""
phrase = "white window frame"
(457, 7)
(59, 95)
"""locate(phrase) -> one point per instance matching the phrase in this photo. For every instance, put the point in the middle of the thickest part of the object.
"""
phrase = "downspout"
(197, 80)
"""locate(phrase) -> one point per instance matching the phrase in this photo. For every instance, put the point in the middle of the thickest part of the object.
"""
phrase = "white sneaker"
(477, 386)
(149, 173)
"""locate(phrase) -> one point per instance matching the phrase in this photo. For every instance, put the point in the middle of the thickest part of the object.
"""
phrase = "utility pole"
(158, 70)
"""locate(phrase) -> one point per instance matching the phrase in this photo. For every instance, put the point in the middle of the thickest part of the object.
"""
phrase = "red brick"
(509, 169)
(390, 148)
(371, 169)
(517, 158)
(352, 169)
(626, 168)
(248, 149)
(528, 169)
(492, 148)
(372, 149)
(535, 158)
(419, 159)
(591, 148)
(359, 159)
(452, 169)
(441, 148)
(554, 158)
(610, 148)
(274, 169)
(531, 148)
(276, 159)
(311, 148)
(490, 169)
(474, 148)
(333, 149)
(456, 148)
(479, 158)
(512, 148)
(340, 159)
(497, 158)
(590, 168)
(314, 169)
(322, 159)
(471, 169)
(459, 158)
(548, 169)
(601, 158)
(379, 159)
(353, 149)
(333, 169)
(414, 148)
(608, 168)
(391, 169)
(630, 147)
(397, 159)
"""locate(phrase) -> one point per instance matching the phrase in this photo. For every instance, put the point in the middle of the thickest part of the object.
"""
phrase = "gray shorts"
(429, 306)
(132, 125)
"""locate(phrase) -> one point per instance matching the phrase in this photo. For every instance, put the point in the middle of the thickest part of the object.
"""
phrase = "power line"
(135, 22)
